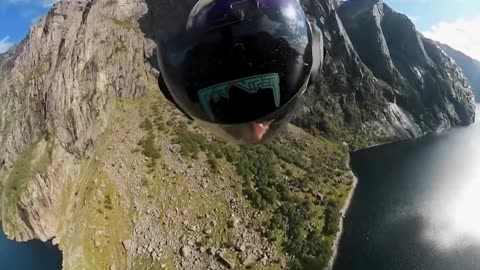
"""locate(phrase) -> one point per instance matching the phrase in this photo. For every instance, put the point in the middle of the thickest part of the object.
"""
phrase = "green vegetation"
(108, 202)
(146, 124)
(213, 162)
(296, 182)
(127, 23)
(149, 149)
(119, 48)
(192, 143)
(109, 211)
(32, 161)
(332, 218)
(100, 223)
(301, 223)
(95, 215)
(308, 246)
(145, 263)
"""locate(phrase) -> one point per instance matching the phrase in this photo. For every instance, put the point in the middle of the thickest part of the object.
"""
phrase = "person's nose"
(258, 130)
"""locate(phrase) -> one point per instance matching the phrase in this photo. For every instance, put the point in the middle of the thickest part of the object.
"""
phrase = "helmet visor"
(262, 130)
(239, 71)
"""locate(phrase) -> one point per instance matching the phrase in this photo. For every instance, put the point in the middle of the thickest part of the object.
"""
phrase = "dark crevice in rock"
(87, 9)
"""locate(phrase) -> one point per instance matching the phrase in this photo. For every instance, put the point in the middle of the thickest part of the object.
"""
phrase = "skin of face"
(258, 130)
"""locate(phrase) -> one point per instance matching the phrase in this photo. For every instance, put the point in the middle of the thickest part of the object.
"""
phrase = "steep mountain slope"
(59, 86)
(469, 66)
(169, 195)
(398, 85)
(75, 166)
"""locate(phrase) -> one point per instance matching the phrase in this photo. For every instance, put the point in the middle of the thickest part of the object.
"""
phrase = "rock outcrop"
(74, 91)
(469, 66)
(382, 78)
(61, 83)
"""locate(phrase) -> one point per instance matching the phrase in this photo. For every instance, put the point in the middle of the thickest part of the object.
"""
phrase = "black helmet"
(241, 67)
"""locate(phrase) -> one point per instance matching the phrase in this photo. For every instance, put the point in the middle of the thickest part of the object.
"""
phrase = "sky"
(16, 17)
(453, 22)
(456, 23)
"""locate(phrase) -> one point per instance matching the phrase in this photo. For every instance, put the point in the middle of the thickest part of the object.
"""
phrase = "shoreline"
(343, 212)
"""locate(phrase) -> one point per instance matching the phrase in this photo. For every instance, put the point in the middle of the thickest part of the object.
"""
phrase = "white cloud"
(46, 3)
(31, 9)
(43, 3)
(18, 1)
(461, 34)
(5, 44)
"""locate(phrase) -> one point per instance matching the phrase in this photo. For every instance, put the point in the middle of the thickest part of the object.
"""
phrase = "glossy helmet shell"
(239, 61)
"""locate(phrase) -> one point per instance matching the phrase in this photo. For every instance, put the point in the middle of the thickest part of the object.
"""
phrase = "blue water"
(417, 205)
(33, 255)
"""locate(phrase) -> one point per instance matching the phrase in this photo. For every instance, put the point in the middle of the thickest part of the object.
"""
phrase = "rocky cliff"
(382, 78)
(469, 66)
(76, 167)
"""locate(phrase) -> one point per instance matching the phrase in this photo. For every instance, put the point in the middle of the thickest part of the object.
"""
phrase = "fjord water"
(33, 255)
(417, 205)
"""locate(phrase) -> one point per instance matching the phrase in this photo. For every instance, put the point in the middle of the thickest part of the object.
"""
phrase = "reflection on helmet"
(240, 67)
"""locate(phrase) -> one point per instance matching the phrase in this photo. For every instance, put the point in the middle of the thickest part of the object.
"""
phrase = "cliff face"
(382, 79)
(75, 166)
(59, 85)
(469, 66)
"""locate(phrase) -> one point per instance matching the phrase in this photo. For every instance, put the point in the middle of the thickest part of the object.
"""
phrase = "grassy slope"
(94, 222)
(302, 207)
(300, 210)
(35, 159)
(298, 183)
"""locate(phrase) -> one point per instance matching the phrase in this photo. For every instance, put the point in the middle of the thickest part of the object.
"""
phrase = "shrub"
(214, 165)
(108, 202)
(294, 216)
(332, 218)
(150, 150)
(308, 247)
(146, 124)
(191, 143)
(170, 123)
(161, 126)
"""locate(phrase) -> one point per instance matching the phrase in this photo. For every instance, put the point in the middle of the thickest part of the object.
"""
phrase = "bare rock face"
(77, 58)
(470, 66)
(426, 84)
(380, 81)
(348, 101)
(60, 84)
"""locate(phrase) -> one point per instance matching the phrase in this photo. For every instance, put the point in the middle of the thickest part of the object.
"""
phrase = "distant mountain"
(382, 80)
(429, 89)
(470, 67)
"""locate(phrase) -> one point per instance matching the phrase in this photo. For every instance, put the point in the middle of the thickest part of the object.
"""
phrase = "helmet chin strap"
(317, 50)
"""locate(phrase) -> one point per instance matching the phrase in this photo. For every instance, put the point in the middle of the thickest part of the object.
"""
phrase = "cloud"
(46, 3)
(18, 1)
(5, 44)
(42, 3)
(31, 10)
(461, 34)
